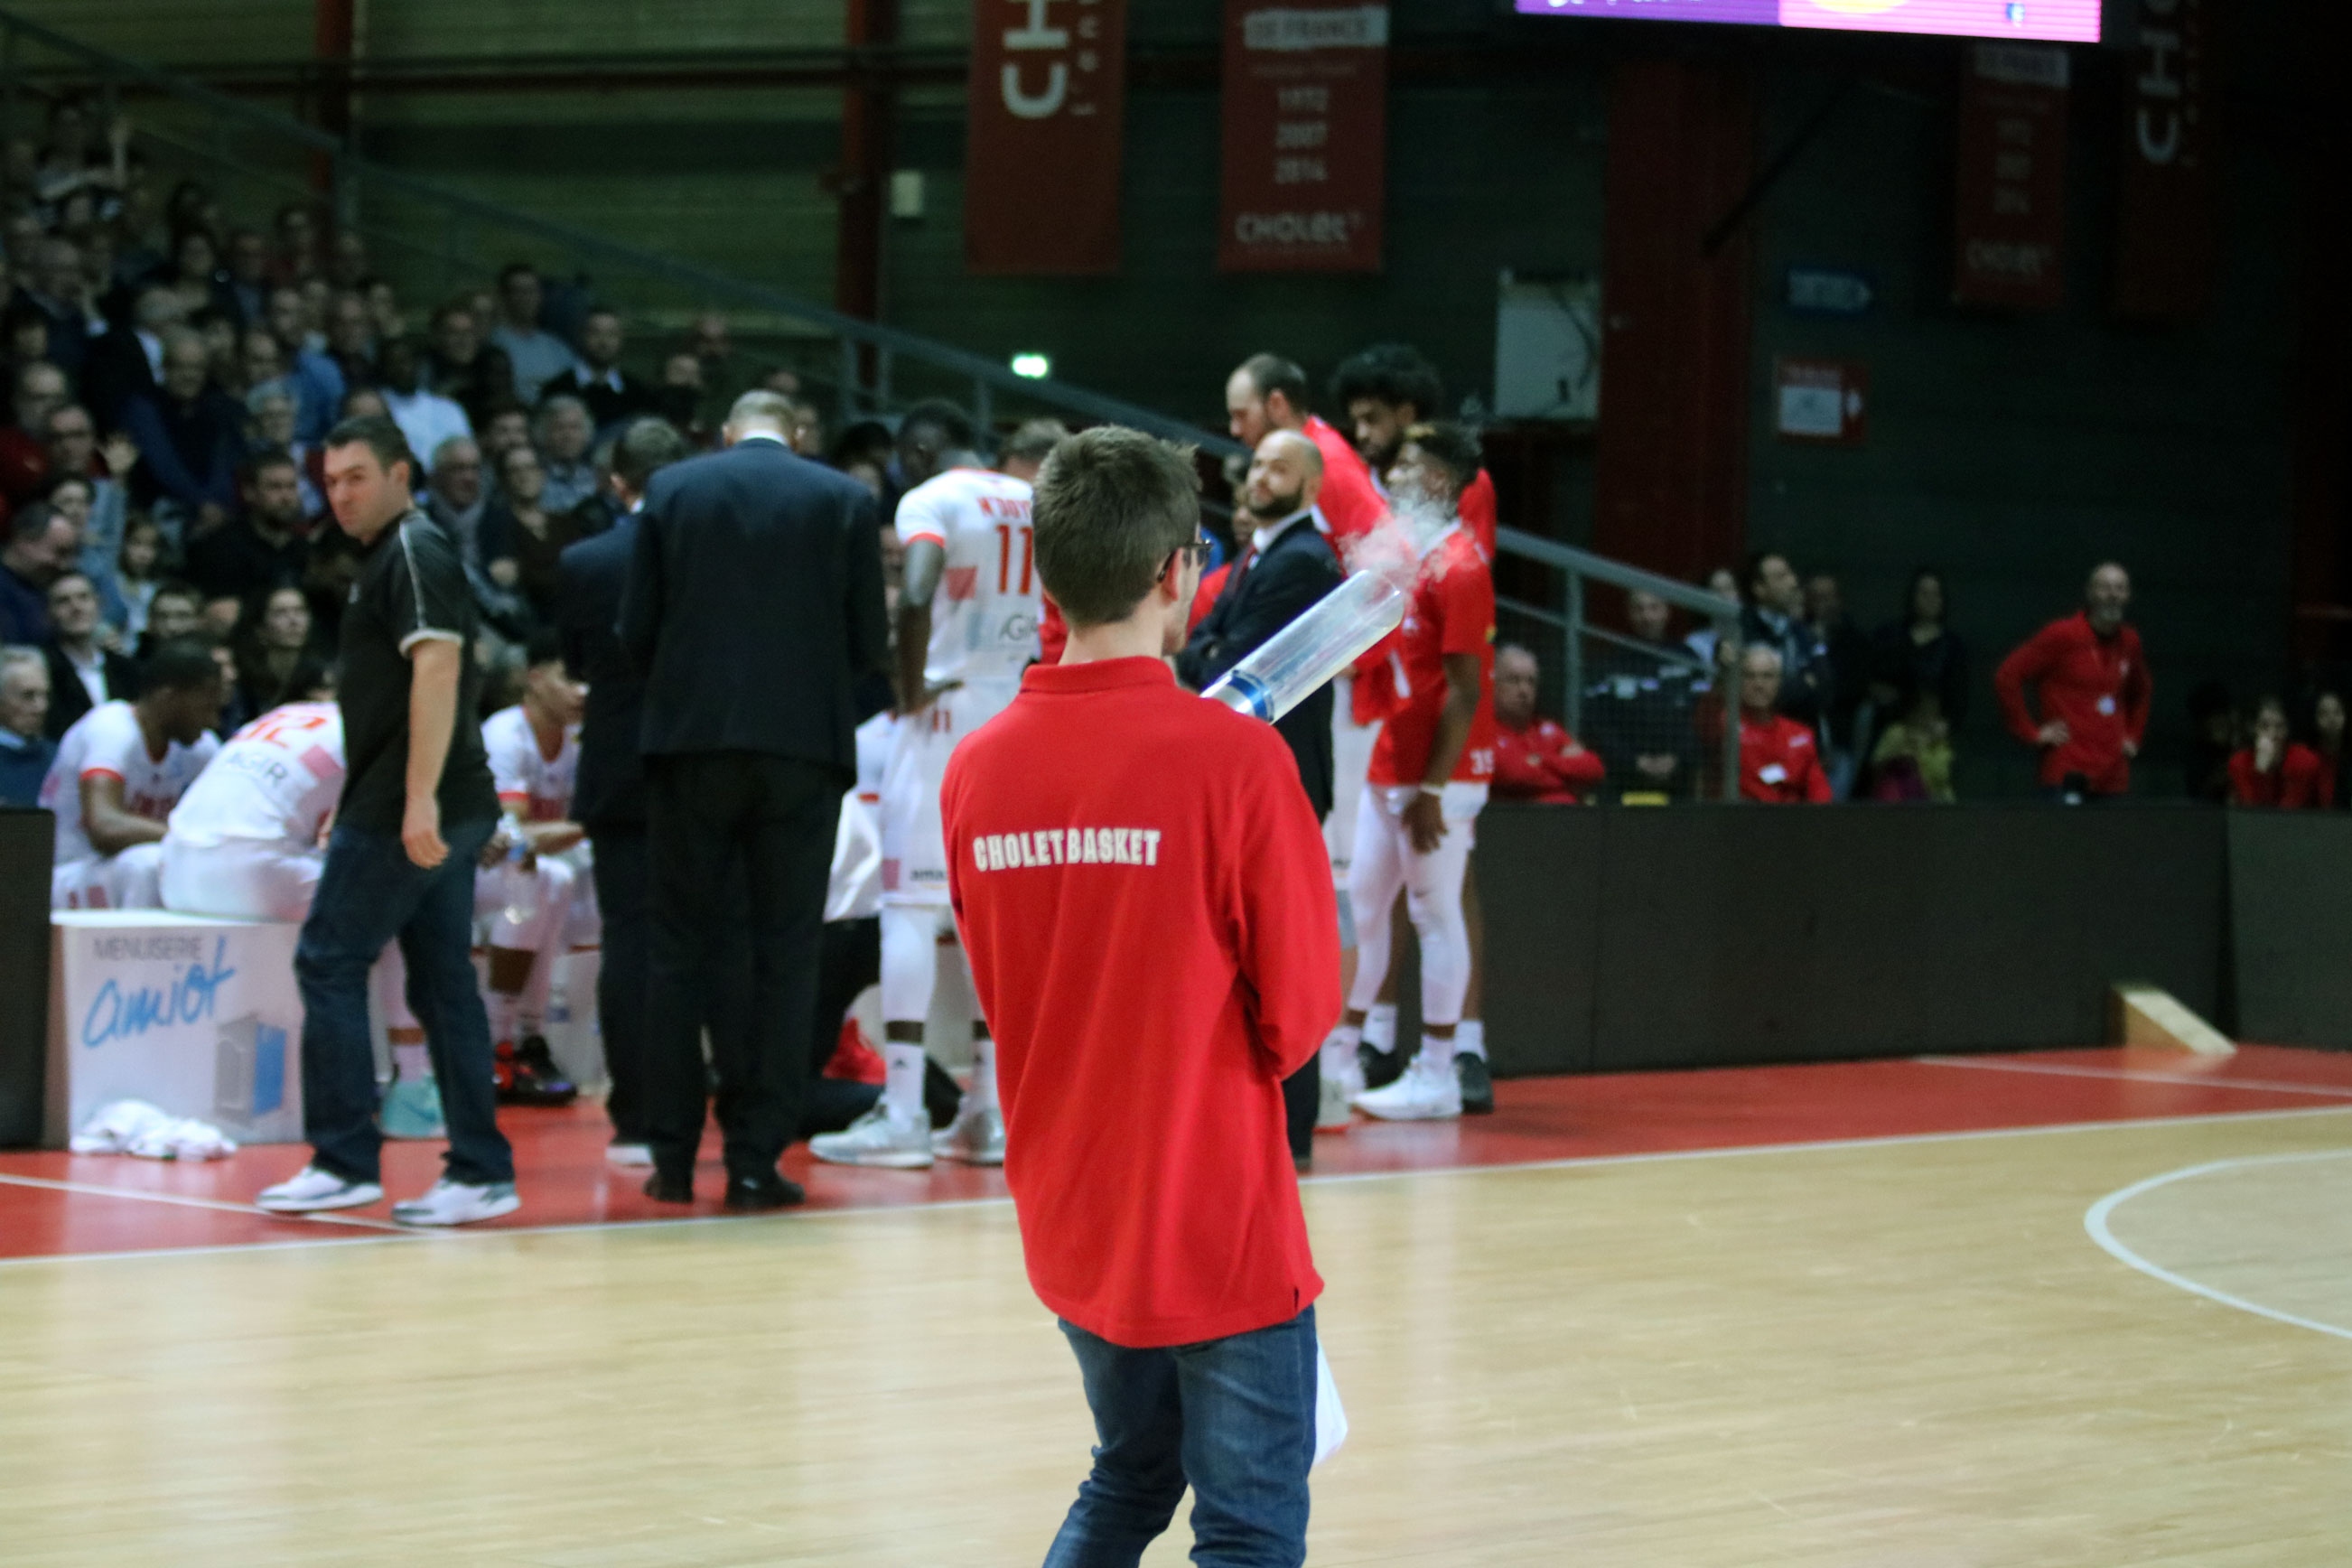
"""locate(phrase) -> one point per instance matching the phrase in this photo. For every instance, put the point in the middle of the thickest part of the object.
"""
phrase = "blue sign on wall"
(1830, 292)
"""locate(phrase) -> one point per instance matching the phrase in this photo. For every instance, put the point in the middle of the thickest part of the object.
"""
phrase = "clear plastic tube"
(1300, 659)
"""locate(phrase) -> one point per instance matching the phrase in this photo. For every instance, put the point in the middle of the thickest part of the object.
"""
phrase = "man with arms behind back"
(1147, 902)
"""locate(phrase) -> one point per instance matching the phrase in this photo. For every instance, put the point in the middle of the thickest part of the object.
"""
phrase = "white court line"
(2136, 1075)
(219, 1206)
(2095, 1222)
(1571, 1163)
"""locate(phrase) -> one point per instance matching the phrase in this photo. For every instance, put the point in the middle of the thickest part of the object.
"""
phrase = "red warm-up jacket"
(2098, 686)
(1543, 763)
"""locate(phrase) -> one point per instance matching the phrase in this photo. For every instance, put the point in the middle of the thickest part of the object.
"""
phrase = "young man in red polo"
(1143, 892)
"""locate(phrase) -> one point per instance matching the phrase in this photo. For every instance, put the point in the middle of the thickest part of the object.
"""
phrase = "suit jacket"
(69, 699)
(607, 405)
(754, 607)
(610, 788)
(1281, 583)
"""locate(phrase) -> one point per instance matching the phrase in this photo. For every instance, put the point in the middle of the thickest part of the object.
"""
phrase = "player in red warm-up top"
(1141, 886)
(2094, 685)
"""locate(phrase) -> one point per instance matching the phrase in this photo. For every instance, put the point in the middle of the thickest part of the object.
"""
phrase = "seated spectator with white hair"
(191, 438)
(121, 770)
(562, 432)
(26, 752)
(83, 674)
(1536, 759)
(1780, 761)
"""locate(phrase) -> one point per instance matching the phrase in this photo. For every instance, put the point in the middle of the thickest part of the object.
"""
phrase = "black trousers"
(711, 815)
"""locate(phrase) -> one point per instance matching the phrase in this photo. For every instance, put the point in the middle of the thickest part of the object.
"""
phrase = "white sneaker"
(1339, 1091)
(976, 1136)
(1420, 1094)
(630, 1157)
(458, 1202)
(311, 1190)
(878, 1138)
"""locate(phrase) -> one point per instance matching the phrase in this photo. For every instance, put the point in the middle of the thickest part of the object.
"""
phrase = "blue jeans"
(1234, 1417)
(369, 893)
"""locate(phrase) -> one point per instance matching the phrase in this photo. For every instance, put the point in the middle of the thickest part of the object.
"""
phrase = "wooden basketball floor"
(2091, 1308)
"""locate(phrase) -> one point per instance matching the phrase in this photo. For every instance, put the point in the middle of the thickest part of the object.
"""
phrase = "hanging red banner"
(1306, 137)
(1043, 137)
(2010, 226)
(2165, 219)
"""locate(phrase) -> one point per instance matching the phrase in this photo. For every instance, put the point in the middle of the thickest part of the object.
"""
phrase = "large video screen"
(2057, 21)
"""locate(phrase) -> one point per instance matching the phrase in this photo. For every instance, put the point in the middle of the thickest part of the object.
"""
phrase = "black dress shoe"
(757, 1194)
(666, 1188)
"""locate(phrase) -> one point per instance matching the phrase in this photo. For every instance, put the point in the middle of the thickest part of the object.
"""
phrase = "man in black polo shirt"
(412, 822)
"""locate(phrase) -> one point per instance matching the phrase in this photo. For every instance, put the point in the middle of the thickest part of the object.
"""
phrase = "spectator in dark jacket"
(1773, 616)
(1920, 652)
(1641, 703)
(612, 394)
(191, 438)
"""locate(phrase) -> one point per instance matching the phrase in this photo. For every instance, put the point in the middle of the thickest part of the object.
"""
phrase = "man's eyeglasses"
(1196, 551)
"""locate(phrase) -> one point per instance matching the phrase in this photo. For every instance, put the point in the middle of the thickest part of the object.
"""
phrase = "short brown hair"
(1112, 505)
(378, 435)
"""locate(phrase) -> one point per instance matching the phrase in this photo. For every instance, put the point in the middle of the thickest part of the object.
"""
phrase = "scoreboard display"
(2051, 21)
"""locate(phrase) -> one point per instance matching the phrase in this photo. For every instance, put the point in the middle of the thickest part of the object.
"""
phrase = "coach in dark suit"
(754, 610)
(1284, 566)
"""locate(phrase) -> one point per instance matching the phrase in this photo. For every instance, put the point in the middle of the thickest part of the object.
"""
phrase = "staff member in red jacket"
(1535, 759)
(1780, 761)
(2093, 684)
(1142, 890)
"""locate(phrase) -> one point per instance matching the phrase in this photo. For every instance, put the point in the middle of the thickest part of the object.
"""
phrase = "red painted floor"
(54, 1205)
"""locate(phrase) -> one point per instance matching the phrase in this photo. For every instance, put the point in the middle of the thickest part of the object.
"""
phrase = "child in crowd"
(130, 588)
(1913, 759)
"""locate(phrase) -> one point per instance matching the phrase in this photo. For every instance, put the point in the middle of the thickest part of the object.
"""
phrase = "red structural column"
(1670, 470)
(868, 112)
(334, 35)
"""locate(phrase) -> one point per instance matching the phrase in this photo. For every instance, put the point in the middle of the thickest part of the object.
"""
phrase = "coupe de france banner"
(1306, 138)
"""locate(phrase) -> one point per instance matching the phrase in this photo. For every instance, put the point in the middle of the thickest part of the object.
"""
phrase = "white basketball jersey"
(274, 783)
(984, 615)
(524, 774)
(108, 740)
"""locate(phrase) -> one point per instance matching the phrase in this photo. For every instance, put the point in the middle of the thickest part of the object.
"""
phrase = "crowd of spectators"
(169, 376)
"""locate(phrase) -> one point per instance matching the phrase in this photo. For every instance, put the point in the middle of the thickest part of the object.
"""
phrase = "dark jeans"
(714, 818)
(369, 893)
(1234, 1417)
(621, 901)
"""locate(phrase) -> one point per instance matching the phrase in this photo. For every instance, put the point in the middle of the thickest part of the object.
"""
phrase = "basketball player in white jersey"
(247, 841)
(967, 627)
(541, 900)
(118, 773)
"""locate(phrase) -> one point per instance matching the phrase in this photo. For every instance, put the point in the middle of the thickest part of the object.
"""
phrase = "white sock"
(902, 1090)
(502, 1007)
(1470, 1039)
(1379, 1028)
(1339, 1048)
(1436, 1055)
(981, 1095)
(412, 1062)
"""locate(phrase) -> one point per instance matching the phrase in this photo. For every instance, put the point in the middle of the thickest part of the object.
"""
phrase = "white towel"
(1330, 1420)
(136, 1127)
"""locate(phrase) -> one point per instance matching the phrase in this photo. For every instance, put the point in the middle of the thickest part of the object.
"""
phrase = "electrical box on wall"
(1548, 348)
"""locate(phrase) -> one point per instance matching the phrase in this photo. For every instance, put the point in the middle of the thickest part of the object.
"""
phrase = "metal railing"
(870, 367)
(1662, 715)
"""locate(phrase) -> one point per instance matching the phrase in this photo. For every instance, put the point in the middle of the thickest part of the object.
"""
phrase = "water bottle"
(1300, 659)
(522, 885)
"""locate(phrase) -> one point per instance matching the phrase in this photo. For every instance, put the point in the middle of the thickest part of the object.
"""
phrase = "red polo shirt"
(1778, 763)
(1146, 899)
(1349, 500)
(2098, 686)
(1543, 763)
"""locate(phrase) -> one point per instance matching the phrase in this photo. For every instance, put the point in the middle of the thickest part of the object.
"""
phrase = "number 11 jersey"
(985, 614)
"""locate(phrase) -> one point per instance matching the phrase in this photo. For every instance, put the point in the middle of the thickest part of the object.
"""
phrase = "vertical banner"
(2010, 229)
(2165, 219)
(1306, 137)
(1043, 138)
